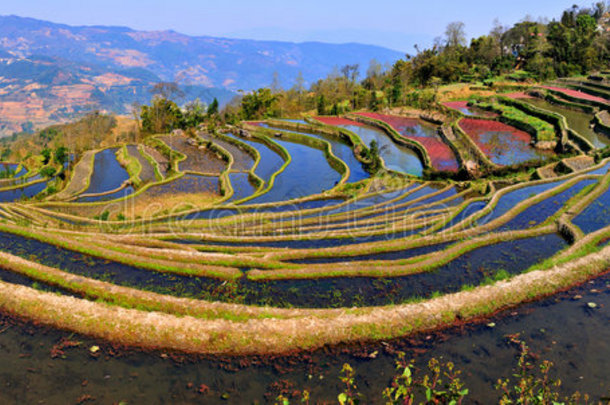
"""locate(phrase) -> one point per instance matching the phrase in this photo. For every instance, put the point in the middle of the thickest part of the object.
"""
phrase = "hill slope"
(53, 72)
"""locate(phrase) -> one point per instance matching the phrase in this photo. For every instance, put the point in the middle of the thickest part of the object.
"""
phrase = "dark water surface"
(562, 329)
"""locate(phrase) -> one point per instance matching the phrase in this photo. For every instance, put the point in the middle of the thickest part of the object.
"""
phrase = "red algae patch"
(441, 155)
(336, 121)
(577, 94)
(458, 105)
(505, 145)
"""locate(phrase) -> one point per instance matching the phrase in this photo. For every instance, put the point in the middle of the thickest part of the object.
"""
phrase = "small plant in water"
(533, 383)
(350, 395)
(441, 385)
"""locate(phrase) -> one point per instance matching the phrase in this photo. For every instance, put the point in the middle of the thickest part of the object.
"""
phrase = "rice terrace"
(433, 229)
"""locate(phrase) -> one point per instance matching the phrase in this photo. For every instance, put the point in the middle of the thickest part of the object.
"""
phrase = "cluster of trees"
(539, 50)
(89, 132)
(164, 115)
(575, 44)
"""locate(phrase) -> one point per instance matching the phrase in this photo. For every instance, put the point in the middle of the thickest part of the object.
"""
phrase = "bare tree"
(497, 33)
(350, 72)
(276, 85)
(455, 34)
(136, 109)
(167, 90)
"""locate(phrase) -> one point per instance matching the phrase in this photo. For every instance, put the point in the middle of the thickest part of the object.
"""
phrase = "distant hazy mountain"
(52, 72)
(390, 39)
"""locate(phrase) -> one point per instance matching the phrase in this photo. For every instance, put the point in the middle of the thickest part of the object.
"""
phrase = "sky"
(396, 24)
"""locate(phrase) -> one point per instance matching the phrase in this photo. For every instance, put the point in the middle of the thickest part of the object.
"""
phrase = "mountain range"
(54, 72)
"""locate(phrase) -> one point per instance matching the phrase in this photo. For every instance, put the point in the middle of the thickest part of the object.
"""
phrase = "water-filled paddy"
(108, 174)
(512, 198)
(104, 270)
(596, 216)
(308, 173)
(316, 242)
(396, 157)
(242, 186)
(503, 144)
(216, 213)
(127, 191)
(538, 213)
(578, 121)
(297, 121)
(469, 269)
(464, 108)
(441, 155)
(18, 279)
(470, 210)
(344, 152)
(270, 161)
(9, 170)
(26, 191)
(382, 199)
(425, 195)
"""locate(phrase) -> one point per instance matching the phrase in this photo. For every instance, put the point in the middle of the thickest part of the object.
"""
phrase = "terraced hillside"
(282, 235)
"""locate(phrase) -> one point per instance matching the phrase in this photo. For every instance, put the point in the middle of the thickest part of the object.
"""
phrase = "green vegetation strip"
(541, 130)
(131, 165)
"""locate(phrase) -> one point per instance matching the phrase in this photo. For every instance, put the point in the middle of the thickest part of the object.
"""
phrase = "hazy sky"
(396, 24)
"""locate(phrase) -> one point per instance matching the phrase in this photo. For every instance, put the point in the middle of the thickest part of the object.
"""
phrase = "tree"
(213, 107)
(46, 155)
(497, 33)
(374, 75)
(195, 113)
(321, 107)
(374, 164)
(585, 31)
(136, 110)
(47, 172)
(276, 86)
(167, 90)
(350, 72)
(455, 35)
(61, 155)
(259, 104)
(161, 117)
(299, 83)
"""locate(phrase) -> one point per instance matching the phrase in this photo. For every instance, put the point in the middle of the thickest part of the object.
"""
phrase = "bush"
(47, 172)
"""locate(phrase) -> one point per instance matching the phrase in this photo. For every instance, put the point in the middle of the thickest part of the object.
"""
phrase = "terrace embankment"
(160, 330)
